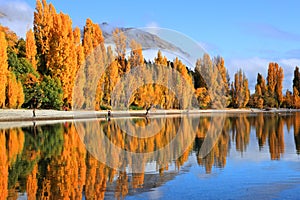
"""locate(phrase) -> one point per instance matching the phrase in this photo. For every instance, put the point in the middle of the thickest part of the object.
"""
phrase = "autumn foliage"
(85, 72)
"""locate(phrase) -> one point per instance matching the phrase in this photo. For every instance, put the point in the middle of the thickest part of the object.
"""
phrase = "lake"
(208, 156)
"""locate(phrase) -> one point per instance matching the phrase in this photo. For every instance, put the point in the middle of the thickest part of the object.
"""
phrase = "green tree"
(26, 74)
(52, 93)
(296, 80)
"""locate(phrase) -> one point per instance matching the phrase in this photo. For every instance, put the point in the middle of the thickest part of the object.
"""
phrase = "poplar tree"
(136, 55)
(240, 90)
(274, 85)
(14, 92)
(43, 26)
(63, 58)
(119, 39)
(31, 48)
(95, 62)
(296, 80)
(3, 69)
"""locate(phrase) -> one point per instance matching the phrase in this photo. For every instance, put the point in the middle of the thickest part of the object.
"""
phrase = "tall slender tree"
(296, 80)
(136, 55)
(220, 63)
(278, 88)
(31, 48)
(63, 62)
(240, 90)
(14, 92)
(120, 47)
(274, 84)
(43, 25)
(214, 81)
(3, 68)
(271, 78)
(95, 62)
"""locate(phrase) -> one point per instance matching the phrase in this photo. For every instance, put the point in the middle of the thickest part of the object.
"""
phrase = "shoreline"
(21, 115)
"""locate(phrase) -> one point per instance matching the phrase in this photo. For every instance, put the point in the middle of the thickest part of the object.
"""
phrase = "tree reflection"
(297, 132)
(217, 156)
(51, 162)
(269, 127)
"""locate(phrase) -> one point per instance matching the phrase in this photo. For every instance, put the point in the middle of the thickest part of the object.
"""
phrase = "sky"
(248, 34)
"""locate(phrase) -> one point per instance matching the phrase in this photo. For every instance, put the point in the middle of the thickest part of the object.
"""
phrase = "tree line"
(56, 60)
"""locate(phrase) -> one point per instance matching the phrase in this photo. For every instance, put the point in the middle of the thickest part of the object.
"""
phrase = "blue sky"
(248, 35)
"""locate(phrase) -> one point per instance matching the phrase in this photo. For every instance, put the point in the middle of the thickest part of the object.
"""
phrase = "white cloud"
(152, 27)
(251, 66)
(17, 15)
(255, 65)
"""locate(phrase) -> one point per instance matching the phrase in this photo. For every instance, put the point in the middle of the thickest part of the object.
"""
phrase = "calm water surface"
(250, 156)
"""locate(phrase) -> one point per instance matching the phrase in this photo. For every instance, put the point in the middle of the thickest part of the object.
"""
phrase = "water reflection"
(51, 161)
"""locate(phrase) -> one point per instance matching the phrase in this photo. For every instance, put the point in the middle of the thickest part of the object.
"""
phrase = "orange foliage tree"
(31, 48)
(14, 92)
(3, 68)
(95, 56)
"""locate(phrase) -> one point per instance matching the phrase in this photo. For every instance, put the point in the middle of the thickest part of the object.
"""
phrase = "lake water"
(240, 156)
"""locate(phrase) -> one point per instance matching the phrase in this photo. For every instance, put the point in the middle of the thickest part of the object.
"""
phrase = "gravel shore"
(7, 115)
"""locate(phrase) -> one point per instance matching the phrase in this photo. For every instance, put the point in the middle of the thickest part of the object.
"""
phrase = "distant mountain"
(149, 41)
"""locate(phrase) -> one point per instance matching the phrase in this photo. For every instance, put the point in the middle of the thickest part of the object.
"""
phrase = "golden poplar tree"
(3, 68)
(160, 59)
(275, 79)
(257, 98)
(120, 48)
(10, 37)
(111, 79)
(163, 96)
(43, 25)
(183, 82)
(31, 48)
(136, 55)
(95, 62)
(202, 97)
(220, 63)
(261, 82)
(271, 78)
(213, 79)
(240, 90)
(14, 92)
(92, 37)
(279, 86)
(63, 61)
(78, 93)
(20, 95)
(288, 99)
(79, 47)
